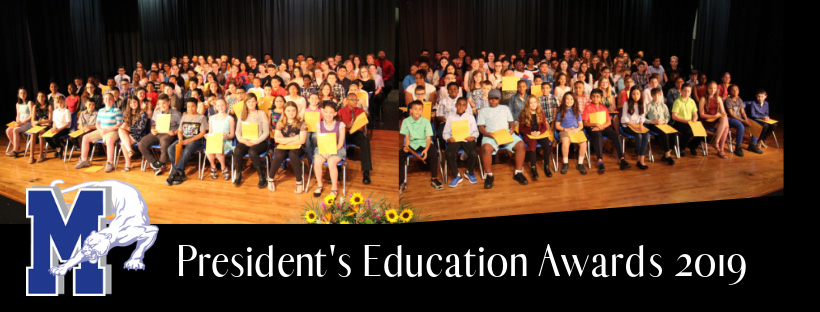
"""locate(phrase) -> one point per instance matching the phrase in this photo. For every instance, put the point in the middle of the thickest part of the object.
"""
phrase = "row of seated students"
(136, 124)
(638, 109)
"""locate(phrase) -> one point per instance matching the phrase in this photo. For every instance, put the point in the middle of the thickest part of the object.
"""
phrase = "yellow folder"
(250, 130)
(312, 118)
(460, 130)
(213, 143)
(754, 129)
(36, 129)
(427, 109)
(645, 129)
(104, 89)
(11, 124)
(502, 137)
(163, 123)
(289, 146)
(404, 109)
(771, 121)
(94, 169)
(598, 117)
(363, 99)
(259, 96)
(76, 133)
(359, 122)
(327, 143)
(265, 103)
(548, 134)
(697, 129)
(578, 137)
(667, 129)
(48, 134)
(238, 107)
(536, 91)
(509, 83)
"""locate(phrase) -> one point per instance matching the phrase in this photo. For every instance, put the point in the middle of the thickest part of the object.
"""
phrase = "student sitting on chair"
(492, 119)
(657, 113)
(292, 131)
(221, 124)
(711, 107)
(736, 110)
(41, 111)
(347, 115)
(684, 110)
(252, 147)
(61, 117)
(109, 119)
(193, 127)
(568, 121)
(417, 133)
(760, 110)
(155, 137)
(135, 125)
(534, 122)
(468, 145)
(597, 131)
(329, 124)
(633, 117)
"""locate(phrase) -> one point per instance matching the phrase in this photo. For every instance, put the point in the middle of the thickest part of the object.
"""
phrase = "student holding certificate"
(290, 135)
(222, 125)
(657, 115)
(418, 132)
(164, 125)
(685, 110)
(568, 123)
(252, 131)
(347, 115)
(109, 119)
(533, 125)
(62, 121)
(330, 136)
(496, 124)
(597, 121)
(453, 133)
(192, 129)
(134, 127)
(633, 117)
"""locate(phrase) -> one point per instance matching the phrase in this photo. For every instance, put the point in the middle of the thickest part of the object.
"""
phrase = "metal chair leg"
(677, 146)
(775, 140)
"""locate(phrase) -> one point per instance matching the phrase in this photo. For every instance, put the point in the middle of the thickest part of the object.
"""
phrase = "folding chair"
(342, 163)
(558, 150)
(626, 135)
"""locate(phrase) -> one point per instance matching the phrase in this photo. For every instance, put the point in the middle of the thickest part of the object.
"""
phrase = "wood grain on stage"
(209, 201)
(691, 179)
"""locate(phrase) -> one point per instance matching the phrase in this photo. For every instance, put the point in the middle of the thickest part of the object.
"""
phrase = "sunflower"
(406, 215)
(329, 200)
(310, 216)
(357, 199)
(344, 222)
(391, 216)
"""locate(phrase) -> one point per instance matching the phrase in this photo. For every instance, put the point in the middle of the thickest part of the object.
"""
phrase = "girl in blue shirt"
(568, 122)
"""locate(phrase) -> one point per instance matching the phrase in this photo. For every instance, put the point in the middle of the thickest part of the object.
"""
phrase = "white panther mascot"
(130, 225)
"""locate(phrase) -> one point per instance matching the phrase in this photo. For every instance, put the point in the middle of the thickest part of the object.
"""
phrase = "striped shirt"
(548, 104)
(109, 117)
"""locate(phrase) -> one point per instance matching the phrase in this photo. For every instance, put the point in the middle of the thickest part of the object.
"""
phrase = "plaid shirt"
(124, 94)
(545, 77)
(479, 100)
(339, 91)
(548, 104)
(582, 102)
(447, 106)
(305, 93)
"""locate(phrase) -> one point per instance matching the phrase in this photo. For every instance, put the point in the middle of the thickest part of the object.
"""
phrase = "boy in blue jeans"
(760, 110)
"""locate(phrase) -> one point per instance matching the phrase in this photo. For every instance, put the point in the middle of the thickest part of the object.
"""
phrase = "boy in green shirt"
(418, 132)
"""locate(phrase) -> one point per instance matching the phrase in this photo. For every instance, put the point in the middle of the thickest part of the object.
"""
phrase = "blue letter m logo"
(57, 234)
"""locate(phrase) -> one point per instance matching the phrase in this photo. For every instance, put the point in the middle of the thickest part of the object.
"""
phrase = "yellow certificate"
(312, 118)
(509, 83)
(578, 137)
(289, 146)
(770, 121)
(536, 91)
(250, 130)
(48, 134)
(359, 122)
(666, 129)
(265, 103)
(213, 143)
(363, 98)
(502, 137)
(598, 117)
(548, 134)
(76, 133)
(427, 109)
(163, 123)
(94, 169)
(238, 107)
(754, 129)
(697, 129)
(404, 109)
(327, 143)
(259, 96)
(460, 130)
(645, 129)
(104, 89)
(11, 124)
(36, 129)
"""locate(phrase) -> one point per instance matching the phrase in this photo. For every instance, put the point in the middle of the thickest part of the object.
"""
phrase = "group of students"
(586, 98)
(139, 117)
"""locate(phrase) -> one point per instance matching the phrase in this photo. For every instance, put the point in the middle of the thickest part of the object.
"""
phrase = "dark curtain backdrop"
(53, 40)
(736, 36)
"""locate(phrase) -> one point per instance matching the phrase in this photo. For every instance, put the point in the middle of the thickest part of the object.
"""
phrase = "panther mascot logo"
(130, 225)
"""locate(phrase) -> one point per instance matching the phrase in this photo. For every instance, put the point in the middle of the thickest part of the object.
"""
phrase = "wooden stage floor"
(691, 179)
(208, 201)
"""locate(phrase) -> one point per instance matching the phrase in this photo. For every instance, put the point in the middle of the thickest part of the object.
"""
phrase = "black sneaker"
(520, 178)
(739, 151)
(669, 160)
(157, 171)
(581, 168)
(171, 177)
(642, 166)
(181, 177)
(754, 149)
(156, 165)
(366, 177)
(547, 171)
(601, 168)
(534, 173)
(564, 168)
(625, 165)
(693, 151)
(436, 184)
(488, 182)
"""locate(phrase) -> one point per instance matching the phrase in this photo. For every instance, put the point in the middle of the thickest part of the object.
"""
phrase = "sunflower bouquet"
(356, 209)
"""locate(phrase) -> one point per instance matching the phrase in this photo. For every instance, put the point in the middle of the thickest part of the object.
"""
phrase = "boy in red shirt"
(347, 115)
(596, 131)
